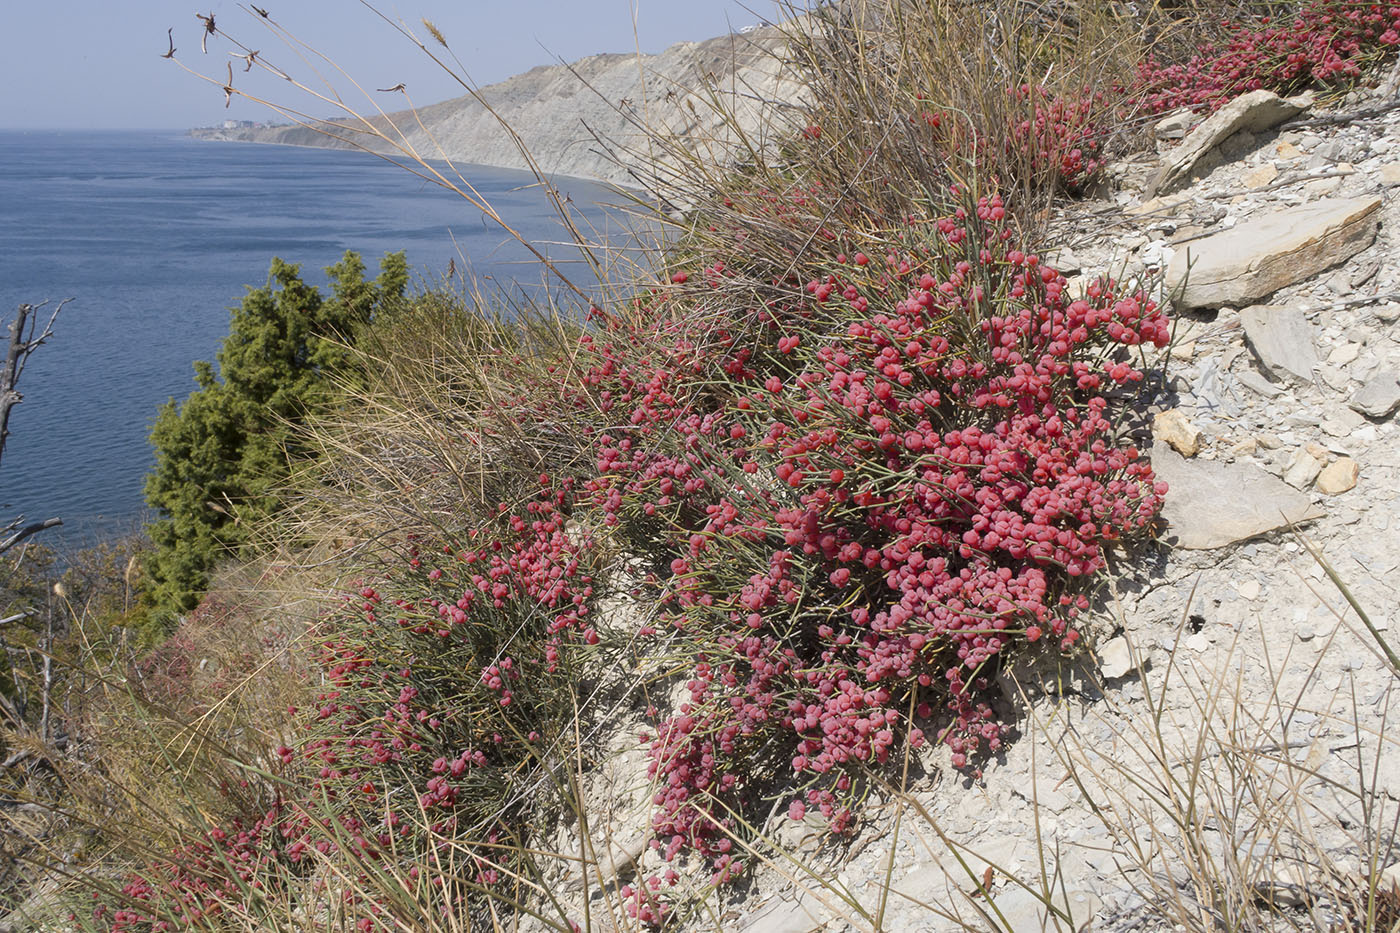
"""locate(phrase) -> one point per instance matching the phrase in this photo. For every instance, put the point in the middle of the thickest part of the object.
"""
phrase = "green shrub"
(222, 456)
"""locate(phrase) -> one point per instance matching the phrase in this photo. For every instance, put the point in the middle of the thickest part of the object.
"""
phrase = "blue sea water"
(155, 235)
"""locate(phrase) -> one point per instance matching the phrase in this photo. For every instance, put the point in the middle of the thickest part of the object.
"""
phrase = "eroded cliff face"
(714, 98)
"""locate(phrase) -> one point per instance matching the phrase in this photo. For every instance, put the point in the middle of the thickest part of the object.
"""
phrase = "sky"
(96, 64)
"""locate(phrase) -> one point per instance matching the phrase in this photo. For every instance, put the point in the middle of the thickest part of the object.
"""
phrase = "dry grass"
(453, 410)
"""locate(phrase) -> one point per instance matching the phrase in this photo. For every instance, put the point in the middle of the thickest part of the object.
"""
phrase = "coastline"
(582, 120)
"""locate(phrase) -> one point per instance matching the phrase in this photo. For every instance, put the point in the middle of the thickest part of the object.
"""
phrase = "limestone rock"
(1379, 397)
(799, 913)
(1261, 176)
(1338, 477)
(1172, 427)
(1065, 262)
(1115, 658)
(1258, 384)
(1322, 187)
(1344, 354)
(1175, 124)
(1390, 174)
(1257, 258)
(1211, 503)
(1302, 469)
(1043, 793)
(1252, 113)
(1162, 205)
(1281, 339)
(1244, 448)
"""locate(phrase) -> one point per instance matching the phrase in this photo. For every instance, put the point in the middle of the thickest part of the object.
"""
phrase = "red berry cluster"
(191, 888)
(1325, 43)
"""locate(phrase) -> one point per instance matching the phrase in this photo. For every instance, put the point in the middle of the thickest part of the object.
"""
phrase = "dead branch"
(25, 338)
(18, 534)
(23, 342)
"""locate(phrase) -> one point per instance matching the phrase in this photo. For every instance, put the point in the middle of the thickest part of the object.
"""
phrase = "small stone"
(1183, 351)
(1172, 428)
(1283, 884)
(1115, 658)
(1302, 469)
(1364, 272)
(1338, 477)
(1244, 448)
(1390, 877)
(1198, 642)
(1342, 422)
(1390, 174)
(1317, 451)
(1379, 397)
(1269, 441)
(1287, 151)
(1175, 124)
(1335, 378)
(1249, 590)
(1306, 633)
(1065, 262)
(1160, 205)
(1044, 794)
(799, 913)
(1261, 176)
(1344, 354)
(1258, 384)
(1322, 187)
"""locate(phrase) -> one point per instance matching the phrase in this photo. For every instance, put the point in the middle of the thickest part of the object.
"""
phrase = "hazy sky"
(96, 63)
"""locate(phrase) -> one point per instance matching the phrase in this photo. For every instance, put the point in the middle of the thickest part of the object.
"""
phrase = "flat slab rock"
(1380, 396)
(1282, 340)
(1257, 258)
(1252, 112)
(1212, 504)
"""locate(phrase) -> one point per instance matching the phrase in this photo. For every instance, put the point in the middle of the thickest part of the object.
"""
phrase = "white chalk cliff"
(705, 95)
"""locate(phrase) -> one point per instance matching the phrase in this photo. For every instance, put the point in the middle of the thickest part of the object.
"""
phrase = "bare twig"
(23, 342)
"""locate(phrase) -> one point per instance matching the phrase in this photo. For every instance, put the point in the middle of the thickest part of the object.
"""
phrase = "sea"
(154, 235)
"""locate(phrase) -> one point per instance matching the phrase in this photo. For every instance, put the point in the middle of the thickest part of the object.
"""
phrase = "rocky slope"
(1231, 725)
(583, 119)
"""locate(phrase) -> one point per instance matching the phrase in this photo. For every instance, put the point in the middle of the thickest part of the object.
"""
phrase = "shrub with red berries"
(870, 495)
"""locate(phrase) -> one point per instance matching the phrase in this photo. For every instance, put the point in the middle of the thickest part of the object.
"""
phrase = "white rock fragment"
(1379, 397)
(1115, 658)
(1302, 469)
